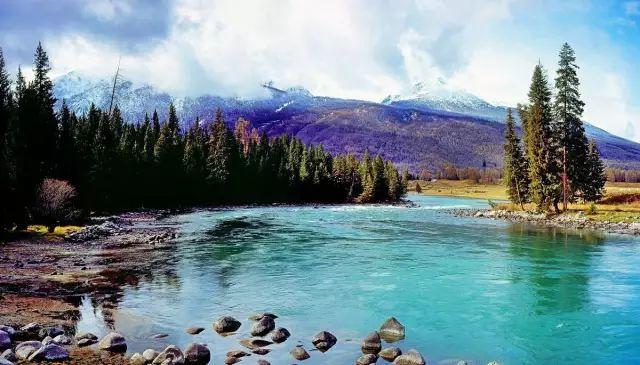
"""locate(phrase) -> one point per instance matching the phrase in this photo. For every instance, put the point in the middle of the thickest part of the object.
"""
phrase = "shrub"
(418, 188)
(592, 209)
(54, 203)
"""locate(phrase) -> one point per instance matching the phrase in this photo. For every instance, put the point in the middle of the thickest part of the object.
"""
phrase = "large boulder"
(371, 344)
(263, 326)
(390, 353)
(226, 324)
(113, 342)
(280, 335)
(197, 354)
(149, 355)
(367, 359)
(29, 332)
(5, 341)
(26, 348)
(50, 352)
(411, 357)
(299, 353)
(392, 330)
(170, 356)
(324, 340)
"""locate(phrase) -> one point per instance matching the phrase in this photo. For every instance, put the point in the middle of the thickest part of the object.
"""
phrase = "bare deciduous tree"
(54, 203)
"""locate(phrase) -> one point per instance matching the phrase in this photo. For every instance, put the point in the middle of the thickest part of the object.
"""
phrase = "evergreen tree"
(542, 144)
(222, 156)
(65, 155)
(6, 168)
(515, 165)
(46, 146)
(568, 110)
(596, 174)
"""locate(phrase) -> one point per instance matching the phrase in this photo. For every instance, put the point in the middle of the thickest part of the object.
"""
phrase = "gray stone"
(85, 335)
(263, 362)
(280, 335)
(26, 348)
(47, 340)
(259, 316)
(197, 354)
(113, 342)
(63, 340)
(390, 353)
(367, 359)
(263, 326)
(324, 340)
(411, 357)
(392, 330)
(194, 330)
(86, 342)
(137, 359)
(149, 355)
(232, 360)
(299, 353)
(170, 356)
(5, 340)
(4, 361)
(226, 324)
(237, 353)
(261, 351)
(9, 330)
(371, 344)
(50, 352)
(50, 332)
(8, 354)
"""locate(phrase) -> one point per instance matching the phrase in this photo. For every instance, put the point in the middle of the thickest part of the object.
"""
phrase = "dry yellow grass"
(621, 202)
(60, 231)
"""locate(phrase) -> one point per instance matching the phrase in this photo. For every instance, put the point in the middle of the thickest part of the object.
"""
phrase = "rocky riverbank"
(568, 220)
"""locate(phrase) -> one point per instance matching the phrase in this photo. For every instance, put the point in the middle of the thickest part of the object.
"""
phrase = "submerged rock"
(170, 356)
(113, 342)
(226, 324)
(392, 330)
(261, 351)
(263, 362)
(280, 335)
(5, 340)
(263, 326)
(390, 353)
(324, 340)
(237, 353)
(367, 359)
(194, 330)
(254, 343)
(197, 354)
(231, 360)
(159, 336)
(25, 349)
(371, 344)
(299, 353)
(50, 352)
(411, 357)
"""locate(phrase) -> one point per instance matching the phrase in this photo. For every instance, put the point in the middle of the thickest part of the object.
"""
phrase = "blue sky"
(357, 49)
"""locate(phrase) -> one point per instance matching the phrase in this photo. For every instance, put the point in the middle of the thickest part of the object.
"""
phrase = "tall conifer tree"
(515, 165)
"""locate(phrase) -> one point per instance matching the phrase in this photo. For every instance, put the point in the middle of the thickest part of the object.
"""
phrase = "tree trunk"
(51, 228)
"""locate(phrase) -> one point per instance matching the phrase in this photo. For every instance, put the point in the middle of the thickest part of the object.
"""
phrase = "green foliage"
(592, 209)
(595, 175)
(515, 165)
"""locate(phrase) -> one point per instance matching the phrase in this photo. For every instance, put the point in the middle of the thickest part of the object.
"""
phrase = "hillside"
(421, 132)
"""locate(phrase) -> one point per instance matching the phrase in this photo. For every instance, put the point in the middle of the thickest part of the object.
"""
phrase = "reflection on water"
(465, 288)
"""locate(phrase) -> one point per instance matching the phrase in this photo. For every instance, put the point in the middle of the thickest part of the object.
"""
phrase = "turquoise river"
(465, 288)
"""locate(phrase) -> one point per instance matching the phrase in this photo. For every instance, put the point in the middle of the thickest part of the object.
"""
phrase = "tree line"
(485, 175)
(555, 160)
(620, 175)
(115, 165)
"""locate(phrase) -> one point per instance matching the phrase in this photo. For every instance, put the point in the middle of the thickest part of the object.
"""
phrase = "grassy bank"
(621, 202)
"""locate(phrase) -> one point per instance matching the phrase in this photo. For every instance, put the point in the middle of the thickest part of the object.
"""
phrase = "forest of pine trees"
(115, 165)
(555, 159)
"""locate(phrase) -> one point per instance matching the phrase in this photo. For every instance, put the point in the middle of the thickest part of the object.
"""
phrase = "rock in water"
(280, 335)
(226, 324)
(371, 344)
(113, 342)
(194, 330)
(494, 363)
(259, 316)
(197, 354)
(263, 362)
(50, 352)
(25, 349)
(261, 351)
(5, 340)
(254, 343)
(392, 330)
(149, 355)
(263, 326)
(85, 335)
(299, 353)
(411, 357)
(231, 360)
(324, 340)
(390, 353)
(170, 356)
(367, 359)
(237, 353)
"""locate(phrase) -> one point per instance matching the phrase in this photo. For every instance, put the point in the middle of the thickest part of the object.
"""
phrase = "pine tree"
(515, 165)
(542, 144)
(596, 174)
(222, 156)
(568, 110)
(6, 168)
(46, 146)
(66, 151)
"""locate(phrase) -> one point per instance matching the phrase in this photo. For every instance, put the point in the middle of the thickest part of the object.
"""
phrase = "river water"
(465, 288)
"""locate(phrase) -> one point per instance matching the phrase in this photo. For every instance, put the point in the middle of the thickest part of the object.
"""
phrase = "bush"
(418, 188)
(592, 209)
(54, 203)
